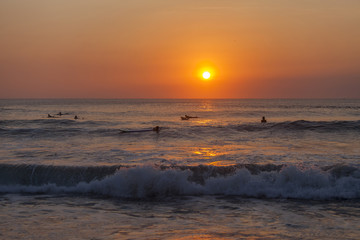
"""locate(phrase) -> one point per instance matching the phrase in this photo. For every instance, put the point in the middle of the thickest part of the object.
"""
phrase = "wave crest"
(333, 182)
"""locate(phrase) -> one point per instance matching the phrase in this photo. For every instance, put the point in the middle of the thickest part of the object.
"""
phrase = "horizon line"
(139, 98)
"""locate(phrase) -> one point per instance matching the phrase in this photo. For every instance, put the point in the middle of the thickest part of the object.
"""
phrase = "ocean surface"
(221, 175)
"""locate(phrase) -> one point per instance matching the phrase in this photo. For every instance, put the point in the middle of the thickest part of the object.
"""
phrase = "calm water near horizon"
(222, 175)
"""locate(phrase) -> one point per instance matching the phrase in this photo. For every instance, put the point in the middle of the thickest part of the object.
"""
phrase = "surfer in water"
(187, 117)
(263, 120)
(190, 116)
(155, 129)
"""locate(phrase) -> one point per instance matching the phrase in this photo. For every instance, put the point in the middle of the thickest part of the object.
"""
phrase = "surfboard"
(133, 131)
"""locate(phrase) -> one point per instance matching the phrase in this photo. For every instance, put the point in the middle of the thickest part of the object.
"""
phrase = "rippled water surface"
(223, 174)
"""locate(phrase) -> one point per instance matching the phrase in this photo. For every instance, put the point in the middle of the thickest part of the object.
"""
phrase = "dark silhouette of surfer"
(263, 120)
(155, 129)
(76, 117)
(187, 117)
(50, 116)
(60, 114)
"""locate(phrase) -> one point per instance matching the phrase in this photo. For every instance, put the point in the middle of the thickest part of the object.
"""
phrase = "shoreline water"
(65, 217)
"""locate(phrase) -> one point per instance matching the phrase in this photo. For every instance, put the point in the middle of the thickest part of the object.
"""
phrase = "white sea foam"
(149, 182)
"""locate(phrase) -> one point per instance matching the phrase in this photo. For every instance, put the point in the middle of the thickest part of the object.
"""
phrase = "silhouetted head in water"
(76, 117)
(156, 129)
(263, 120)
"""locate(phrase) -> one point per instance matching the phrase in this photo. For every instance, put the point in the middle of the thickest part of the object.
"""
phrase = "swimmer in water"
(156, 129)
(263, 120)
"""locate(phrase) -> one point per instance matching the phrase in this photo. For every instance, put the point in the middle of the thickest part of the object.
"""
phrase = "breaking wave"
(246, 180)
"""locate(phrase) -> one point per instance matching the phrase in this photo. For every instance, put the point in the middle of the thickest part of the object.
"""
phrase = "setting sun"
(206, 71)
(206, 75)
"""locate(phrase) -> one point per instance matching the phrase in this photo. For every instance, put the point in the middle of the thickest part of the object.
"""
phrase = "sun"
(206, 71)
(206, 75)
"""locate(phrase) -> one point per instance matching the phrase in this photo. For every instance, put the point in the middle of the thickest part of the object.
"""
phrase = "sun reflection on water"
(207, 106)
(204, 121)
(206, 152)
(222, 163)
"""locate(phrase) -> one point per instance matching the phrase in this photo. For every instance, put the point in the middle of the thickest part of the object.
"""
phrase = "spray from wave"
(256, 181)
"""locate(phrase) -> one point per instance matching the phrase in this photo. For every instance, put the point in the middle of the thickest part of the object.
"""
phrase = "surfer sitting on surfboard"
(263, 120)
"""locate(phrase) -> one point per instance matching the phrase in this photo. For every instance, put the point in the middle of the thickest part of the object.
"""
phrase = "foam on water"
(269, 181)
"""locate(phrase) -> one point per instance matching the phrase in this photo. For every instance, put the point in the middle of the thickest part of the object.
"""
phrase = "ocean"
(221, 174)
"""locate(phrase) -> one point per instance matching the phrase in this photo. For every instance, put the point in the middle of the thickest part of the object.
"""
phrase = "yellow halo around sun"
(206, 75)
(206, 71)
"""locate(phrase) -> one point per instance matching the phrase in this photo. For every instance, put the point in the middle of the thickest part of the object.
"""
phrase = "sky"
(159, 48)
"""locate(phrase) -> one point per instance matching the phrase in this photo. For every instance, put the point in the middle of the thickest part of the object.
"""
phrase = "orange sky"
(154, 49)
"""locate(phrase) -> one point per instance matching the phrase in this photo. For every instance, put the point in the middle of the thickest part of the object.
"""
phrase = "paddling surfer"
(155, 129)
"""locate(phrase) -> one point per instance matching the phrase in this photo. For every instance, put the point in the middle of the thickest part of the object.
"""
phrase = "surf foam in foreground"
(257, 181)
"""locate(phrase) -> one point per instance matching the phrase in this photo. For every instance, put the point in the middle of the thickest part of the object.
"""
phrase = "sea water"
(221, 175)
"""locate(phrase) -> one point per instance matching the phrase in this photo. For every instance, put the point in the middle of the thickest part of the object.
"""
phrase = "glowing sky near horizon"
(156, 49)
